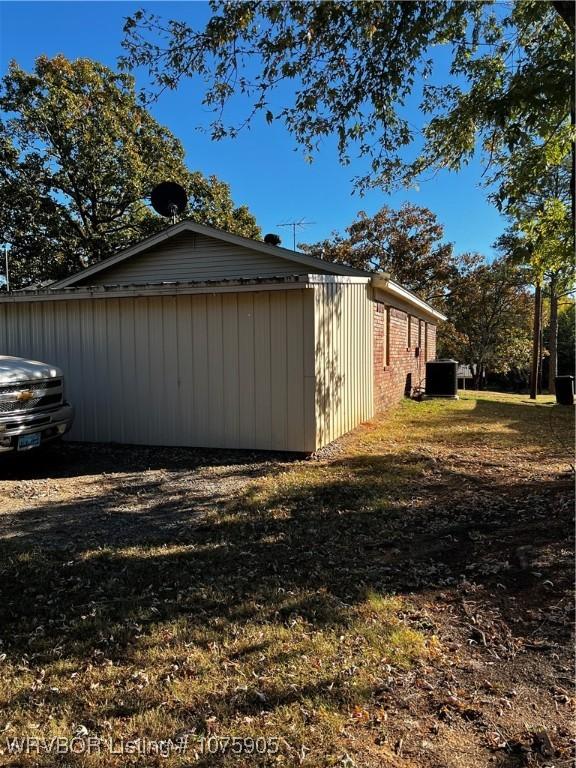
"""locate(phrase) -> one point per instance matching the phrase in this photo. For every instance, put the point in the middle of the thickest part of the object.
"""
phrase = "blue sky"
(263, 166)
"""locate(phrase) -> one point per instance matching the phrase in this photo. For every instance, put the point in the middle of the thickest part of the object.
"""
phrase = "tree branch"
(566, 9)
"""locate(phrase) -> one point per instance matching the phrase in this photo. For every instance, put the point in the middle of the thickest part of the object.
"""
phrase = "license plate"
(25, 442)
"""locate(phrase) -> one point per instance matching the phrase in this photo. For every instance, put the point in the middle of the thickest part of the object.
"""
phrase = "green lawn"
(370, 606)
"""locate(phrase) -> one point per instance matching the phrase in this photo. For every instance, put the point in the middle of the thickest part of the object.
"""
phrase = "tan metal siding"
(246, 369)
(189, 257)
(343, 358)
(216, 370)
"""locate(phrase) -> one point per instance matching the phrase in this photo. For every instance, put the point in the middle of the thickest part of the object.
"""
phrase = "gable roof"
(311, 262)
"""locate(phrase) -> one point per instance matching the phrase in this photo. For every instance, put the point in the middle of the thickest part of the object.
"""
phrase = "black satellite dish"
(272, 239)
(169, 199)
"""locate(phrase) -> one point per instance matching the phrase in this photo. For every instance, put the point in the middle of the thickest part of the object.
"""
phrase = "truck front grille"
(29, 405)
(45, 394)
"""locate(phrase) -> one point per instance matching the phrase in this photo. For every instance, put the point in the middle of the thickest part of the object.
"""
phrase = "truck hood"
(16, 369)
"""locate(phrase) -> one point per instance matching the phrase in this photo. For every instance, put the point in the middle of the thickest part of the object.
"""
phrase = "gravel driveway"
(77, 495)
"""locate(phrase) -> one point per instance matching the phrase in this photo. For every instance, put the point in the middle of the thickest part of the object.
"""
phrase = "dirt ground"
(457, 516)
(110, 495)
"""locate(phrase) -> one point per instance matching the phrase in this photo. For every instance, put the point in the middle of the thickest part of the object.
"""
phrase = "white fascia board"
(393, 288)
(341, 279)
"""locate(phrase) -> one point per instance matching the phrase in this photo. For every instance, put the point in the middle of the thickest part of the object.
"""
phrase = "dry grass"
(320, 604)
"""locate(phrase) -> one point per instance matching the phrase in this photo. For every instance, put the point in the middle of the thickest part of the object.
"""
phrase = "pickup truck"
(33, 409)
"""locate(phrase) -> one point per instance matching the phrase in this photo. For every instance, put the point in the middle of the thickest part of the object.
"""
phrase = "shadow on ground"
(149, 556)
(88, 578)
(70, 459)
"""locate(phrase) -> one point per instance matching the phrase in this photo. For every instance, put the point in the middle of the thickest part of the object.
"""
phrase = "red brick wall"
(395, 354)
(431, 341)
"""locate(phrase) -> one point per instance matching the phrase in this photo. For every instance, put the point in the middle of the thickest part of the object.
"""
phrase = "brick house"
(403, 341)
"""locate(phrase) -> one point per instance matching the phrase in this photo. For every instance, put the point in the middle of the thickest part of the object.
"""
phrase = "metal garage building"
(197, 337)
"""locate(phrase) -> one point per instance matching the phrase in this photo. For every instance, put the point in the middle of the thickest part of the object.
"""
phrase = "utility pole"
(300, 223)
(6, 267)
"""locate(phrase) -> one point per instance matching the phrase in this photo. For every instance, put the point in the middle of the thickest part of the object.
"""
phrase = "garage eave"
(135, 290)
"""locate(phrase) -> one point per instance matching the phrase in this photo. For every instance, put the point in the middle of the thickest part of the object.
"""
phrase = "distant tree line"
(488, 305)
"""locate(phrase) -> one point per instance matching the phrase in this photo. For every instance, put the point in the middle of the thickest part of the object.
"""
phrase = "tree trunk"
(567, 10)
(536, 341)
(553, 340)
(541, 355)
(573, 167)
(475, 375)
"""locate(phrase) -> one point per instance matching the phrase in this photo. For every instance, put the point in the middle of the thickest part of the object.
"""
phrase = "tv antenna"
(169, 199)
(300, 224)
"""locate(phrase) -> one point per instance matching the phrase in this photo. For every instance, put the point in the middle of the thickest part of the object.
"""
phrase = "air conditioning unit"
(441, 378)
